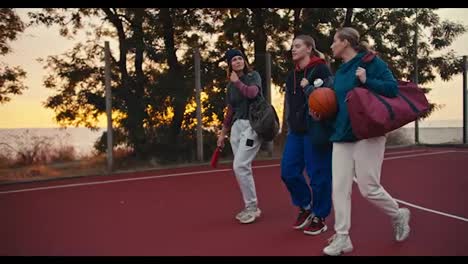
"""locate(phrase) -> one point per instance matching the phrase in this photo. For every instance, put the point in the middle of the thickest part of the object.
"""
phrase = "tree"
(149, 81)
(152, 70)
(254, 31)
(11, 78)
(391, 33)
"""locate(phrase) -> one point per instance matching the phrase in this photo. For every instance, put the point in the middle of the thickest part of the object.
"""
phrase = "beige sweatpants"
(245, 144)
(363, 160)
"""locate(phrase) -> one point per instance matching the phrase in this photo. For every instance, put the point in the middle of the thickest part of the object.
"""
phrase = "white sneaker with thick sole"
(338, 244)
(241, 213)
(250, 215)
(401, 227)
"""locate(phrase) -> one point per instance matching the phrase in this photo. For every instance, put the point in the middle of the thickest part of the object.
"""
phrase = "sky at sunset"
(27, 111)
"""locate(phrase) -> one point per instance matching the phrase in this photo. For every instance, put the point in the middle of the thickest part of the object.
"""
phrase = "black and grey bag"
(263, 118)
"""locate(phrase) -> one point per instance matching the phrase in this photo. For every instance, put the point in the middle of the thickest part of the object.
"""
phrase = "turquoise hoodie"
(379, 80)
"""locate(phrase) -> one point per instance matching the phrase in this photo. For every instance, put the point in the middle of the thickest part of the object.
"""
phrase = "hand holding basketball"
(322, 103)
(316, 116)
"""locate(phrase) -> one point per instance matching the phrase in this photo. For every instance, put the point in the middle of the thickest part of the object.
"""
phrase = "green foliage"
(153, 71)
(11, 78)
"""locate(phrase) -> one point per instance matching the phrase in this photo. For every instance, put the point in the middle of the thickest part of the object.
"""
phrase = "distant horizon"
(28, 111)
(424, 123)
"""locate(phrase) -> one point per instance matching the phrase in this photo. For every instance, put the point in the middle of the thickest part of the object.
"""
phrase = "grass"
(40, 160)
(94, 164)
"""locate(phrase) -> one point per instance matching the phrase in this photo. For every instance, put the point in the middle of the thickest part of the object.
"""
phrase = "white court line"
(406, 151)
(427, 209)
(179, 174)
(432, 211)
(129, 179)
(226, 170)
(419, 155)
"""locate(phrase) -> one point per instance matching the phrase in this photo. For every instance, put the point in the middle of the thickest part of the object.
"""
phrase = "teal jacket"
(379, 79)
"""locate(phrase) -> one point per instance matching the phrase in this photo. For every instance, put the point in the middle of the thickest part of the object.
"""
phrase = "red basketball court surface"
(190, 211)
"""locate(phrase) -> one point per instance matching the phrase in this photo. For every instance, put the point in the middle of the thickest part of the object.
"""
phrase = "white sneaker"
(250, 215)
(241, 213)
(401, 227)
(338, 244)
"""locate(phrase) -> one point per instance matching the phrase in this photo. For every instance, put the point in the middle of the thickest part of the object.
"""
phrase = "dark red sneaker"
(303, 219)
(317, 226)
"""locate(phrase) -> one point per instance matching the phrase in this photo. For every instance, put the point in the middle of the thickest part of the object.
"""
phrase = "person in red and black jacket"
(307, 143)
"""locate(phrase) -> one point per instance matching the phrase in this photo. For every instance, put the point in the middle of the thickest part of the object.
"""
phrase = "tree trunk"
(131, 124)
(297, 21)
(348, 18)
(175, 74)
(260, 43)
(137, 113)
(241, 46)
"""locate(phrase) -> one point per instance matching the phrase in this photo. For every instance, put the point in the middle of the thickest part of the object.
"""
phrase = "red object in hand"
(215, 157)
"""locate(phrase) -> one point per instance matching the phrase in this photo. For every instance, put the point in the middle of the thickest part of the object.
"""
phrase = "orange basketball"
(323, 101)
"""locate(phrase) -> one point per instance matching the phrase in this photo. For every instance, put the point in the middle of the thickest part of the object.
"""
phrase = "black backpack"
(263, 118)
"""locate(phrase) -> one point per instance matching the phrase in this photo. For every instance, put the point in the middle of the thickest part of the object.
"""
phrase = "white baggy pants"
(363, 160)
(245, 144)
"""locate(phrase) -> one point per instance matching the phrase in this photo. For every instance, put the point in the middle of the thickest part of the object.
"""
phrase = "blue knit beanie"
(231, 54)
